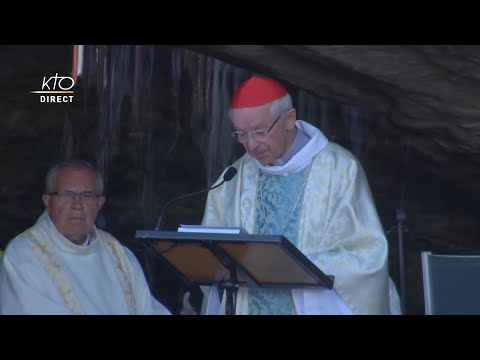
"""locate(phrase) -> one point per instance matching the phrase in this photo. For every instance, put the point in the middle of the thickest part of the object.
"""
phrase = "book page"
(212, 229)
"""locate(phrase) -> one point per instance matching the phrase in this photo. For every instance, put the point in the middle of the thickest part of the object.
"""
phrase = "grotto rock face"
(429, 92)
(421, 144)
(415, 129)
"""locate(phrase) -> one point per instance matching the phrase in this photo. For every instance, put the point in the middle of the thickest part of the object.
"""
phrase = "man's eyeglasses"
(71, 195)
(242, 136)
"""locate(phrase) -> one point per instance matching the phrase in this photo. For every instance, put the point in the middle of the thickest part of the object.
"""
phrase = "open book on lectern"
(251, 260)
(212, 229)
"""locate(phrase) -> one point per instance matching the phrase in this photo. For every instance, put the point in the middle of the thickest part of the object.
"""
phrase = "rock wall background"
(153, 118)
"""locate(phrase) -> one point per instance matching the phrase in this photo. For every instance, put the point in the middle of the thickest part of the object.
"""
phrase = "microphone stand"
(165, 207)
(230, 285)
(231, 289)
(227, 176)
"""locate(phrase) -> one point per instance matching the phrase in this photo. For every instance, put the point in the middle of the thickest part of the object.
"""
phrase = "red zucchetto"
(256, 91)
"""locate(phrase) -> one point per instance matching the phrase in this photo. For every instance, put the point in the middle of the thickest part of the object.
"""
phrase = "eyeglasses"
(71, 195)
(242, 136)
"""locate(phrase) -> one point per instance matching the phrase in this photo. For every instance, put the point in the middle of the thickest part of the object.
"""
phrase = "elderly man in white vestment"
(64, 264)
(292, 181)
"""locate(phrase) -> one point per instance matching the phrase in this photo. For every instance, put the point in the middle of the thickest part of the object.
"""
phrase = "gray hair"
(281, 105)
(277, 106)
(77, 164)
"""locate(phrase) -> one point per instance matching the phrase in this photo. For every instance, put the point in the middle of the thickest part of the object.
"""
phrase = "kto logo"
(56, 85)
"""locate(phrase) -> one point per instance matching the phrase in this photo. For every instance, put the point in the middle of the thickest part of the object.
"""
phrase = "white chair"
(451, 284)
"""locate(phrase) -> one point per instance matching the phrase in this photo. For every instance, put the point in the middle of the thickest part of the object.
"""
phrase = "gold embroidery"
(118, 255)
(54, 269)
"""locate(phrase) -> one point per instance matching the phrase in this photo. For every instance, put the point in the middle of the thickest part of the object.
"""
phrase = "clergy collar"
(61, 241)
(88, 240)
(301, 152)
(301, 139)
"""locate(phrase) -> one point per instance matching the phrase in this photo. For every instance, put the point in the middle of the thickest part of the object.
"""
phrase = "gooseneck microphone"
(229, 175)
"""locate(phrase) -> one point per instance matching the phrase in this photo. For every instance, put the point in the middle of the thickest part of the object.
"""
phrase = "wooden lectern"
(233, 260)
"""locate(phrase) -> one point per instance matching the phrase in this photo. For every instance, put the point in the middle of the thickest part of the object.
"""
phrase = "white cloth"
(42, 272)
(302, 158)
(339, 230)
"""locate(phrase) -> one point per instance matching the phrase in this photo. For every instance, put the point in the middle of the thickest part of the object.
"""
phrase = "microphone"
(229, 175)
